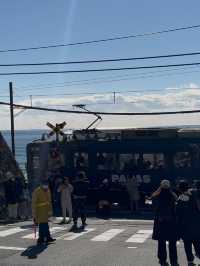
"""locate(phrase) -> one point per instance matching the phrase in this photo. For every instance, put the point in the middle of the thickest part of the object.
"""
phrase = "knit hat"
(165, 184)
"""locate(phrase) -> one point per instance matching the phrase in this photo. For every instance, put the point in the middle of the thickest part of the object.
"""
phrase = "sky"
(28, 23)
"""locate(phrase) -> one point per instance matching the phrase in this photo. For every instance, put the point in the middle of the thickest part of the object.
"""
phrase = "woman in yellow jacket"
(42, 210)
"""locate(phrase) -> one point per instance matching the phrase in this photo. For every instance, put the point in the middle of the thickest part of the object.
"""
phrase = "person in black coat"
(165, 226)
(79, 196)
(104, 203)
(188, 213)
(13, 192)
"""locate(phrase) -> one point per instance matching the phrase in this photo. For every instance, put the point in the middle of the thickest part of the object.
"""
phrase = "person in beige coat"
(66, 190)
(133, 192)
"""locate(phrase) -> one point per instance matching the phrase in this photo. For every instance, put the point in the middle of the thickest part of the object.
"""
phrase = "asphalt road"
(103, 243)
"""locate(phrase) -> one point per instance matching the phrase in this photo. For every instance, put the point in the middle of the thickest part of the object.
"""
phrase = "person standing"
(27, 201)
(42, 210)
(66, 190)
(133, 192)
(104, 203)
(81, 186)
(188, 213)
(12, 194)
(165, 226)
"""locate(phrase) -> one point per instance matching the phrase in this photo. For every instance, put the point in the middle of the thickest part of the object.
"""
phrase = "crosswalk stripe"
(12, 248)
(11, 231)
(106, 236)
(74, 235)
(52, 230)
(140, 237)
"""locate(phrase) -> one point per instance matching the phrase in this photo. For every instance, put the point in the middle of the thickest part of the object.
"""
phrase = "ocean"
(22, 138)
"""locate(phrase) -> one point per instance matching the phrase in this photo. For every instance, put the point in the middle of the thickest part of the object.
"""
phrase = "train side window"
(80, 160)
(101, 161)
(159, 161)
(148, 161)
(128, 161)
(107, 161)
(182, 160)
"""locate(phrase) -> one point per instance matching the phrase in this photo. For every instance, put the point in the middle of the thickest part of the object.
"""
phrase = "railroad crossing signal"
(57, 129)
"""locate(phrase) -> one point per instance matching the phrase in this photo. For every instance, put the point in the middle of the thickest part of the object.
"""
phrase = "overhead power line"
(100, 60)
(97, 70)
(107, 92)
(100, 113)
(104, 93)
(124, 37)
(105, 79)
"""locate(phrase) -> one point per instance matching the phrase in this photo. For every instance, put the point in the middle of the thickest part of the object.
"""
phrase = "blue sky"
(28, 23)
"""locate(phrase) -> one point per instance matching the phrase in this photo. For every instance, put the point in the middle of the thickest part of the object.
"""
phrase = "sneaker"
(51, 240)
(84, 224)
(69, 221)
(82, 227)
(74, 227)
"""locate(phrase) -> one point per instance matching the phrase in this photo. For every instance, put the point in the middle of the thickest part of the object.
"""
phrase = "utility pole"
(114, 97)
(31, 99)
(12, 119)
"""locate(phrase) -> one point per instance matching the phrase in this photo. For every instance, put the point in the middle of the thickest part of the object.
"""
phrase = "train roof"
(110, 133)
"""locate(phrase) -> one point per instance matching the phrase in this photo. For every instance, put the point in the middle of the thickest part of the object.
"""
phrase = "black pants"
(79, 210)
(44, 233)
(188, 248)
(162, 251)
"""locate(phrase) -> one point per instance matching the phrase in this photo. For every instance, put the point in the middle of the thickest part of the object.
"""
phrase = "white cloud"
(182, 98)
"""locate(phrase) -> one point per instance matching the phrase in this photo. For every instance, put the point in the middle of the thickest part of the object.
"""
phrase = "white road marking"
(140, 237)
(74, 235)
(52, 230)
(106, 236)
(132, 247)
(12, 248)
(11, 231)
(132, 221)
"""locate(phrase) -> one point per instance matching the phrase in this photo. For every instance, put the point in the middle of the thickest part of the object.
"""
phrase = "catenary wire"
(101, 113)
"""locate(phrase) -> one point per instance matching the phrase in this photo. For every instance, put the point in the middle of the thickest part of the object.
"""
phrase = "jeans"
(162, 251)
(44, 233)
(79, 210)
(188, 248)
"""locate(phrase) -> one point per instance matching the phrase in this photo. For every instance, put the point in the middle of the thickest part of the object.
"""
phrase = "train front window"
(36, 162)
